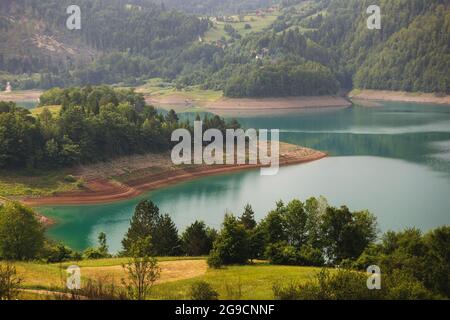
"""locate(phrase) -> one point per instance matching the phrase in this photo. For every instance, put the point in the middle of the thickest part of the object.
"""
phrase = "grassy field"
(238, 282)
(53, 109)
(35, 183)
(257, 23)
(178, 273)
(157, 87)
(187, 100)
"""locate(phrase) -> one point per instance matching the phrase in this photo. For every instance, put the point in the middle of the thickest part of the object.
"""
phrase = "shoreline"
(103, 191)
(247, 106)
(399, 96)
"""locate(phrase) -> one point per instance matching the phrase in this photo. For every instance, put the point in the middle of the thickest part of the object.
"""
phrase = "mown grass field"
(178, 274)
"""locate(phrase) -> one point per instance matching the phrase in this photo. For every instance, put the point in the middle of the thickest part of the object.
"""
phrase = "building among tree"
(8, 87)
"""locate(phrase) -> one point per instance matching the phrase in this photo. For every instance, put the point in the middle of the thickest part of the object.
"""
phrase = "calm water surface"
(393, 160)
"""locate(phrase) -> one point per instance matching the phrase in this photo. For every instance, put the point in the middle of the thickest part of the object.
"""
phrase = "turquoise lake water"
(393, 159)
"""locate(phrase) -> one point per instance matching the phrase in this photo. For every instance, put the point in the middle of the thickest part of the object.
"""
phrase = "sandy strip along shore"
(249, 106)
(400, 96)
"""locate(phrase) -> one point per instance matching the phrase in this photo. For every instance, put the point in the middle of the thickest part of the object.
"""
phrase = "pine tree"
(142, 225)
(165, 239)
(195, 239)
(248, 218)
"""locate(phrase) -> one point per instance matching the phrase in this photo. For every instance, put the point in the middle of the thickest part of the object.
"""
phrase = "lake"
(393, 159)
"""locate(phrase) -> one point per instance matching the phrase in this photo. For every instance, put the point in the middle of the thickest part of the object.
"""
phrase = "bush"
(9, 282)
(59, 253)
(102, 289)
(94, 253)
(310, 256)
(347, 284)
(283, 254)
(80, 183)
(214, 260)
(70, 178)
(202, 290)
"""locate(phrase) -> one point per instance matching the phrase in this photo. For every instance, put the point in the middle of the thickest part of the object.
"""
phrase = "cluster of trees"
(161, 235)
(413, 266)
(94, 123)
(311, 233)
(287, 78)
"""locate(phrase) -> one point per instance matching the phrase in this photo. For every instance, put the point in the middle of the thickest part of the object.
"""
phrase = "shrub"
(310, 256)
(9, 282)
(347, 284)
(214, 260)
(70, 178)
(94, 253)
(283, 254)
(102, 289)
(59, 252)
(202, 290)
(80, 183)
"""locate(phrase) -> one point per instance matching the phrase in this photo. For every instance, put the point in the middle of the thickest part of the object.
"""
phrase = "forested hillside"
(411, 51)
(127, 36)
(313, 47)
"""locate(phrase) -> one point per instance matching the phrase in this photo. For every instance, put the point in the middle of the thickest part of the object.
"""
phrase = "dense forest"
(411, 52)
(311, 48)
(94, 123)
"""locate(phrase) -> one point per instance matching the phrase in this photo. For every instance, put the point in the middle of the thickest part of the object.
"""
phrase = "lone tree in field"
(142, 270)
(21, 235)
